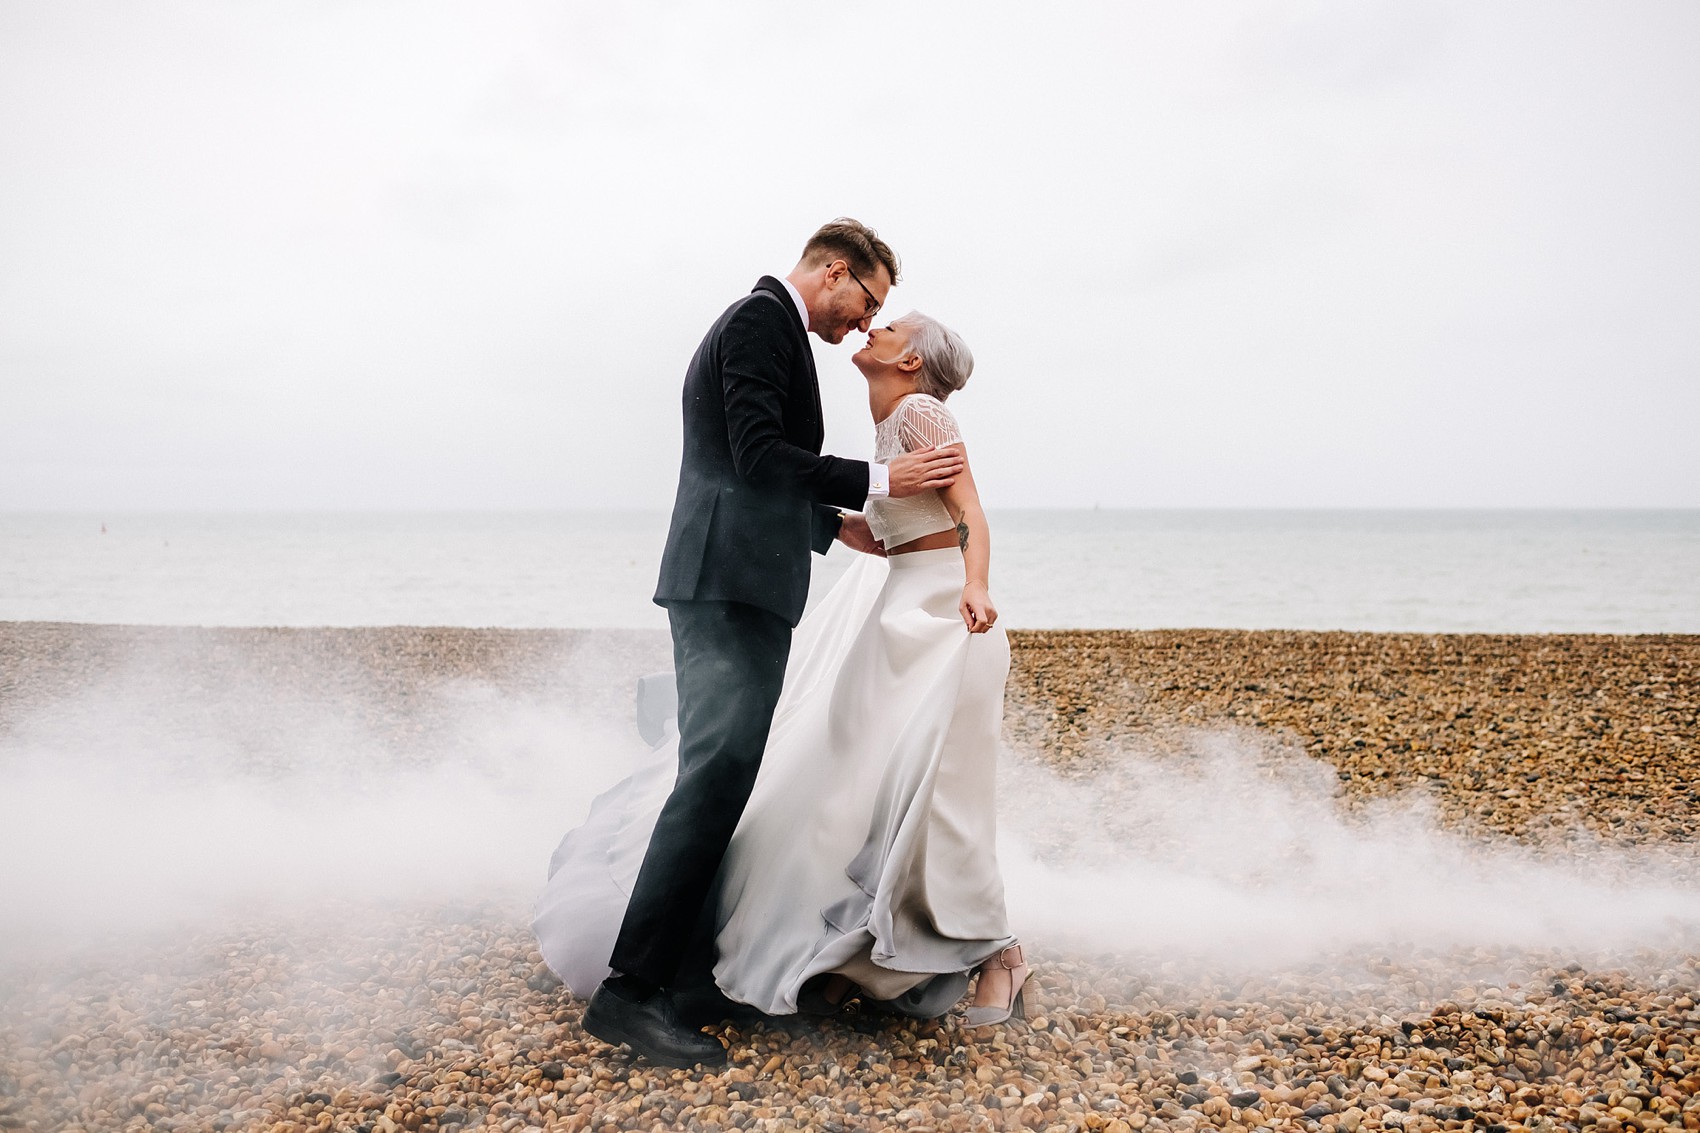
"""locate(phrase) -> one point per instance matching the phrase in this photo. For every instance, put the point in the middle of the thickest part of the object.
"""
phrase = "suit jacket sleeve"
(759, 355)
(824, 528)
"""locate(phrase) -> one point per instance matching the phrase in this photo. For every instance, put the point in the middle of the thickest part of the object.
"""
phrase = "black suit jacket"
(755, 493)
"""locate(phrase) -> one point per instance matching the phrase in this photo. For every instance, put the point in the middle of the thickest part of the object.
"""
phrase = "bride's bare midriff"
(937, 541)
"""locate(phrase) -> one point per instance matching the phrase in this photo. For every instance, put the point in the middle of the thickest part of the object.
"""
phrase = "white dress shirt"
(879, 479)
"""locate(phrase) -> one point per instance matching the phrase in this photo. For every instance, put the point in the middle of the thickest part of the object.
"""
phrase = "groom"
(755, 496)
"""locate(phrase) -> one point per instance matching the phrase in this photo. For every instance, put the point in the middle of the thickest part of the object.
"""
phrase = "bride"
(865, 862)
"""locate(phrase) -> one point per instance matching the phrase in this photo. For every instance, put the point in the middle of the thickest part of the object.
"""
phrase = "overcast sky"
(405, 255)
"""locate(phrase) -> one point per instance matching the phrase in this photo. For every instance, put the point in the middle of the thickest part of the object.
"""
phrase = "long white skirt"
(869, 843)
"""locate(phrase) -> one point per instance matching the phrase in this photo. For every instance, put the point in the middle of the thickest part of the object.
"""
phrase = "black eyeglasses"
(873, 304)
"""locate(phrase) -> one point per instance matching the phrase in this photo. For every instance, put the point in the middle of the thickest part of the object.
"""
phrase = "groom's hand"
(914, 472)
(853, 533)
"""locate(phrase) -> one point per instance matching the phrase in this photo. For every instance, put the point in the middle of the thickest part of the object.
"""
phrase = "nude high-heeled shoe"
(826, 997)
(1016, 1004)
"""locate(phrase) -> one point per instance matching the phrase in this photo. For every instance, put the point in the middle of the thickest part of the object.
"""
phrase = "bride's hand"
(976, 608)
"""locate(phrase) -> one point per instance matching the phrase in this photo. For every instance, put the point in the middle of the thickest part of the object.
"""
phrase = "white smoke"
(1240, 855)
(148, 800)
(151, 801)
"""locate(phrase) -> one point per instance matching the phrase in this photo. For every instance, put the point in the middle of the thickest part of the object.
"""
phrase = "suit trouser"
(729, 662)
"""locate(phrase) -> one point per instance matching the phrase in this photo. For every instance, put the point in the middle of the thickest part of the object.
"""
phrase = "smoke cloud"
(1243, 857)
(149, 800)
(173, 793)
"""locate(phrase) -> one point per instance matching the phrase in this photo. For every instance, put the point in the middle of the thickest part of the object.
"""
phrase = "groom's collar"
(797, 298)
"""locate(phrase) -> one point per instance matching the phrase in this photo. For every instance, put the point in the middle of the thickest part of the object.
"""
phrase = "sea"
(1436, 571)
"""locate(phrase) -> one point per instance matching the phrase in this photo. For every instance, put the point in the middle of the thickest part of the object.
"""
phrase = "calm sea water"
(1511, 571)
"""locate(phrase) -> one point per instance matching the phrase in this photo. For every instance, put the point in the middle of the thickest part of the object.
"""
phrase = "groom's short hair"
(854, 243)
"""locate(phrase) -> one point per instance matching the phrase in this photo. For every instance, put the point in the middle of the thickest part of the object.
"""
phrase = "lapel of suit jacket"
(769, 283)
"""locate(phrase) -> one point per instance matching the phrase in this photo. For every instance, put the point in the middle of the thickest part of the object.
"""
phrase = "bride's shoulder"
(926, 421)
(924, 404)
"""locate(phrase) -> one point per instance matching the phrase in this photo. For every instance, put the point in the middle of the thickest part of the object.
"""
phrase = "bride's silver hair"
(945, 359)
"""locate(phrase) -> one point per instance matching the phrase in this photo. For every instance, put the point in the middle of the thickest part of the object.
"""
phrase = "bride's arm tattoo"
(961, 535)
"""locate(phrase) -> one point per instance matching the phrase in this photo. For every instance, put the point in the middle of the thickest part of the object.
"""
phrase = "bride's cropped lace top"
(919, 422)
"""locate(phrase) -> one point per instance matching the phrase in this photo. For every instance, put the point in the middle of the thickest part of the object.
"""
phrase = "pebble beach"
(400, 1014)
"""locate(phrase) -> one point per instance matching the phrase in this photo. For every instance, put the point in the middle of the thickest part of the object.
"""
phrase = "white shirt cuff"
(879, 482)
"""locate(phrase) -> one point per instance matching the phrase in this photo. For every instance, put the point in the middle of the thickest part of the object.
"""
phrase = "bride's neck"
(885, 391)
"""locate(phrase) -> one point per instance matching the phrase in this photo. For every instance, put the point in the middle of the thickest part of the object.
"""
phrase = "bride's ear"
(910, 363)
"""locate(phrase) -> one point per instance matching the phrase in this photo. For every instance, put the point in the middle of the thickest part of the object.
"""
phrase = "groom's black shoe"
(651, 1028)
(706, 1006)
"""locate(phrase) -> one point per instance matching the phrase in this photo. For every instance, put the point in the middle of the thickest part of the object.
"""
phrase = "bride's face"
(885, 348)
